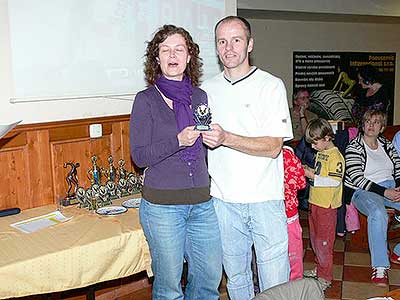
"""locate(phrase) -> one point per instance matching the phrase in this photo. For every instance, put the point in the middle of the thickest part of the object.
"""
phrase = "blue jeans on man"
(175, 232)
(373, 206)
(242, 225)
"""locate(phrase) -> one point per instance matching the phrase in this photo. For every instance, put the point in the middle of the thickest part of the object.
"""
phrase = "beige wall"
(357, 7)
(275, 41)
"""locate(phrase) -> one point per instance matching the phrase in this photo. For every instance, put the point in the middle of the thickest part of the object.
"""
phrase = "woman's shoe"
(380, 276)
(394, 258)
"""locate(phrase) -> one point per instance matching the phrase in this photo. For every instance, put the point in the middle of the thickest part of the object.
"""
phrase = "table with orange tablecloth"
(83, 251)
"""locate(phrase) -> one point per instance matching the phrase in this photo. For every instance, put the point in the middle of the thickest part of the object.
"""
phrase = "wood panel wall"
(32, 157)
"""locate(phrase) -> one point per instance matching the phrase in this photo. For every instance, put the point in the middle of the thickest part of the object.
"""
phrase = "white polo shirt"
(253, 106)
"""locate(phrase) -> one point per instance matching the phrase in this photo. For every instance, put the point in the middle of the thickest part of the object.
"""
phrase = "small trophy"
(94, 172)
(202, 117)
(122, 173)
(72, 180)
(80, 196)
(112, 190)
(104, 196)
(110, 173)
(122, 188)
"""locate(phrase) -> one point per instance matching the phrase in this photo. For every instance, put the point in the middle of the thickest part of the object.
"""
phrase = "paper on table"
(37, 223)
(6, 128)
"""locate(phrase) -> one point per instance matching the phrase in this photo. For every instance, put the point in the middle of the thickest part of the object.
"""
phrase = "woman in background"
(176, 213)
(372, 95)
(373, 173)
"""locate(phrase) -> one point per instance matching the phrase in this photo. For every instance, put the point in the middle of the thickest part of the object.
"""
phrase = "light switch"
(95, 130)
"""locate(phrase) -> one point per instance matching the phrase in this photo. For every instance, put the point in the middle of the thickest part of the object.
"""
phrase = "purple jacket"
(154, 143)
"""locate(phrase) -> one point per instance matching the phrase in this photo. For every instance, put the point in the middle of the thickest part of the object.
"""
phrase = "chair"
(359, 240)
(302, 289)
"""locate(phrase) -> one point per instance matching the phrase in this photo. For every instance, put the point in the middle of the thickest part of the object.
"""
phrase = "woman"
(372, 95)
(373, 173)
(176, 213)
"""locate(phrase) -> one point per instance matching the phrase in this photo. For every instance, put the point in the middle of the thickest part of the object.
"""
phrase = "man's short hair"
(245, 23)
(298, 91)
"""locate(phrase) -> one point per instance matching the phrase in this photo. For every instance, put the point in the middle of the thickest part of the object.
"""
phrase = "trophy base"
(67, 201)
(202, 127)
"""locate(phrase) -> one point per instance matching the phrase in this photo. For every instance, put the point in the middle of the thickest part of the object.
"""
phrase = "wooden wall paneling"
(14, 179)
(39, 168)
(121, 146)
(77, 151)
(32, 157)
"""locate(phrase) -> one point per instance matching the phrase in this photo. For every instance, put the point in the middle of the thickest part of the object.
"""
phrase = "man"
(300, 114)
(251, 116)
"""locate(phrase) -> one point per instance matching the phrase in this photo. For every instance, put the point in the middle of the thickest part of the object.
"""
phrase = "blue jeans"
(373, 206)
(242, 225)
(175, 232)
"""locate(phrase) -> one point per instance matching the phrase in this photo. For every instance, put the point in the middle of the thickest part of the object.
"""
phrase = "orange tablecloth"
(85, 250)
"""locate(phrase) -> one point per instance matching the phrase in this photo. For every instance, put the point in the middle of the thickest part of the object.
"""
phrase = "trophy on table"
(112, 190)
(202, 117)
(94, 172)
(72, 180)
(122, 173)
(110, 173)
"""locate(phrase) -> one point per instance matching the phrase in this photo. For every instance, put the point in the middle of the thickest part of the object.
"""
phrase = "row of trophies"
(119, 183)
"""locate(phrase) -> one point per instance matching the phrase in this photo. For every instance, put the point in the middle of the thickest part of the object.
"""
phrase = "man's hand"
(188, 136)
(302, 110)
(214, 137)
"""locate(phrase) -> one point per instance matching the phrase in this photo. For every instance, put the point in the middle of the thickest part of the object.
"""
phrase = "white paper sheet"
(6, 128)
(40, 222)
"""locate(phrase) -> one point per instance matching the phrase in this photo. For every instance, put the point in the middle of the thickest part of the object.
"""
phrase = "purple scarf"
(180, 93)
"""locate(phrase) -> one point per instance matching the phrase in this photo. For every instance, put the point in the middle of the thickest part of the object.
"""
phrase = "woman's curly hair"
(152, 69)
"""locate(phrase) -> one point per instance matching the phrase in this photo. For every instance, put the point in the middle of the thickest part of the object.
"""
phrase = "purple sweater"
(154, 144)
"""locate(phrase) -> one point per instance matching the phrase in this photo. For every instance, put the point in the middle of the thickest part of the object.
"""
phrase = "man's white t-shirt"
(252, 106)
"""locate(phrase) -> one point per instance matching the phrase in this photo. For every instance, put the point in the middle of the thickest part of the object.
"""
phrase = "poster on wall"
(332, 79)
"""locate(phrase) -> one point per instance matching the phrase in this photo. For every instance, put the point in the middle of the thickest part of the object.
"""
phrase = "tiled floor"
(352, 271)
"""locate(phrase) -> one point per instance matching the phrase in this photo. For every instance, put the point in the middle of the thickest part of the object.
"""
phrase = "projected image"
(73, 48)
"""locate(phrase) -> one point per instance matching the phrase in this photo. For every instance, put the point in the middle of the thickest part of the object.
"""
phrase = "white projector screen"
(74, 48)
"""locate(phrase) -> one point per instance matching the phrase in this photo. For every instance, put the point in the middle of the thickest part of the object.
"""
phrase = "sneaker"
(394, 258)
(380, 276)
(310, 273)
(395, 222)
(397, 218)
(325, 284)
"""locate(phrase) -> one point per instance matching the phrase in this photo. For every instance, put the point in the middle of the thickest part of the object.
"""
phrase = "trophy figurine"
(72, 180)
(110, 173)
(80, 196)
(112, 190)
(94, 172)
(104, 196)
(122, 188)
(202, 117)
(122, 173)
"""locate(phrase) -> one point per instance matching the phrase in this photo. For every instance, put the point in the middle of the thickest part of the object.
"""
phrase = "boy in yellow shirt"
(325, 198)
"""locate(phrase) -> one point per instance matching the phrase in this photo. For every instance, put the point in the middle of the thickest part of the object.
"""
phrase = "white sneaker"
(310, 273)
(380, 276)
(325, 284)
